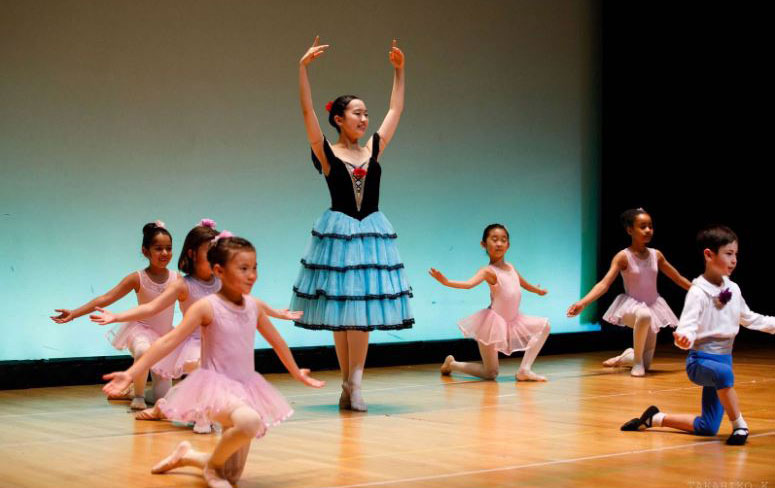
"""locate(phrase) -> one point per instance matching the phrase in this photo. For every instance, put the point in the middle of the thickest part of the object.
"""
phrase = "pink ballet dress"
(123, 336)
(502, 324)
(227, 372)
(640, 290)
(173, 365)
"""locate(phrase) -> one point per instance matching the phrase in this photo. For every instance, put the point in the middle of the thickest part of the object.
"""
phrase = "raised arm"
(390, 123)
(267, 330)
(177, 291)
(618, 263)
(200, 313)
(311, 123)
(484, 274)
(527, 286)
(671, 272)
(283, 314)
(129, 283)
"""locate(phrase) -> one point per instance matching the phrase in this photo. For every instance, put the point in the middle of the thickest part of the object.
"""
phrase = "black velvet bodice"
(340, 184)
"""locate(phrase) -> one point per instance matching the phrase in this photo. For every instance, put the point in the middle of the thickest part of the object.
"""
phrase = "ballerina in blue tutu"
(352, 280)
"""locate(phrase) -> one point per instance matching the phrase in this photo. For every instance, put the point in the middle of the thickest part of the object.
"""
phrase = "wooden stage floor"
(422, 430)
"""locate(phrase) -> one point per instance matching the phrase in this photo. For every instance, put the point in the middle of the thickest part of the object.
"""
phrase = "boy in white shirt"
(711, 318)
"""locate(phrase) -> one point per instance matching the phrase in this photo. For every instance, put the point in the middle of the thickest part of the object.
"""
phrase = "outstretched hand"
(64, 316)
(438, 276)
(286, 314)
(396, 56)
(575, 309)
(119, 382)
(313, 52)
(104, 319)
(308, 380)
(541, 291)
(681, 340)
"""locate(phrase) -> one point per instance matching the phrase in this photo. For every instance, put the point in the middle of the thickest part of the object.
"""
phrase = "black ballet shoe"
(738, 437)
(644, 420)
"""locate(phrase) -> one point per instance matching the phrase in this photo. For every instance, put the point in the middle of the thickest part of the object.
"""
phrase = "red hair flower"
(329, 105)
(359, 172)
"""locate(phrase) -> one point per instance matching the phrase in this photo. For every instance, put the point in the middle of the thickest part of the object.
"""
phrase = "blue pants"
(712, 372)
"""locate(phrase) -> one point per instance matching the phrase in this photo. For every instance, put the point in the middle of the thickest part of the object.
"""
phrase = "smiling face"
(642, 229)
(355, 120)
(159, 253)
(724, 261)
(496, 244)
(239, 273)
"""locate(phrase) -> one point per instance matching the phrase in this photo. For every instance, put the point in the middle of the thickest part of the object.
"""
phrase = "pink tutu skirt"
(123, 336)
(661, 314)
(490, 328)
(206, 393)
(173, 365)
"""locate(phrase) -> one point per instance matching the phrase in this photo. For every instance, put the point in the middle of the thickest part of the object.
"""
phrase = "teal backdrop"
(114, 114)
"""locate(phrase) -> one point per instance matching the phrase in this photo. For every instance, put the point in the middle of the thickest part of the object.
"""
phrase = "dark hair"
(195, 238)
(715, 236)
(150, 231)
(338, 107)
(225, 248)
(627, 218)
(490, 227)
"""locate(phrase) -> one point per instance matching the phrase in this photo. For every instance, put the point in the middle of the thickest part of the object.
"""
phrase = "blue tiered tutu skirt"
(352, 277)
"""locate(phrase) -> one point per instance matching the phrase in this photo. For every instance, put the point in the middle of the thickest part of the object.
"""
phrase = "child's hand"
(541, 291)
(438, 275)
(64, 316)
(286, 314)
(313, 52)
(681, 340)
(308, 380)
(119, 382)
(396, 56)
(104, 319)
(575, 309)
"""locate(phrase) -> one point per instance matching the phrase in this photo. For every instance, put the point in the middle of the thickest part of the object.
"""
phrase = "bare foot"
(623, 359)
(214, 479)
(173, 460)
(638, 370)
(446, 368)
(153, 413)
(529, 375)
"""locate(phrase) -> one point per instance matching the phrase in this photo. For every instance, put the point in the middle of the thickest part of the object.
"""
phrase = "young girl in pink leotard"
(501, 327)
(147, 284)
(640, 306)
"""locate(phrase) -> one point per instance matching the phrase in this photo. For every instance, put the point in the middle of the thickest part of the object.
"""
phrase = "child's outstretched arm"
(618, 263)
(277, 342)
(200, 313)
(755, 321)
(390, 122)
(532, 289)
(314, 134)
(484, 274)
(671, 272)
(282, 314)
(129, 283)
(177, 291)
